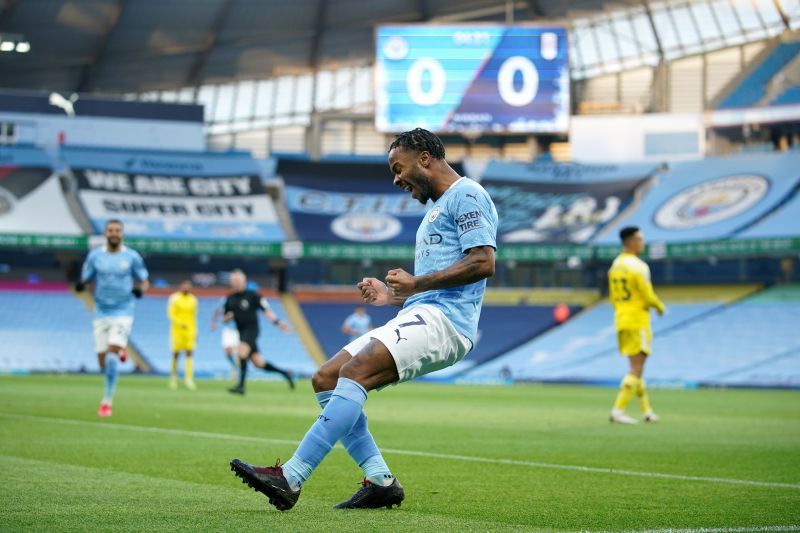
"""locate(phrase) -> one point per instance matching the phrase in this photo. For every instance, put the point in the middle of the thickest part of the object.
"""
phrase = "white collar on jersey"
(452, 185)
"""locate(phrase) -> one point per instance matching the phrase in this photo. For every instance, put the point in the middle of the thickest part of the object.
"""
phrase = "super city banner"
(175, 196)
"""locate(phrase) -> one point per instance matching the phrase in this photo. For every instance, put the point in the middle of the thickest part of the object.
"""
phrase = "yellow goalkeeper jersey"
(182, 311)
(631, 292)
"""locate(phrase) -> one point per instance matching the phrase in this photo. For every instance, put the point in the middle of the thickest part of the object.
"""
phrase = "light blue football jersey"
(113, 275)
(462, 218)
(359, 323)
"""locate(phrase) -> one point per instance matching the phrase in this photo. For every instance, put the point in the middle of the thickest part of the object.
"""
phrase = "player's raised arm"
(478, 264)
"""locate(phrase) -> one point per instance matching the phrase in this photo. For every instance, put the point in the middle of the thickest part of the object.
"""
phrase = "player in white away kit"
(229, 338)
(119, 275)
(455, 253)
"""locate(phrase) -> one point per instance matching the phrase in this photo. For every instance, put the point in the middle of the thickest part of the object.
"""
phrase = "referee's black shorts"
(249, 336)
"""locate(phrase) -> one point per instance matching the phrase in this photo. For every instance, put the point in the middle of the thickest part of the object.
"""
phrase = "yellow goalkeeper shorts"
(635, 341)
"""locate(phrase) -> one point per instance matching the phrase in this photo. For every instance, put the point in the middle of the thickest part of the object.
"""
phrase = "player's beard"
(422, 185)
(114, 243)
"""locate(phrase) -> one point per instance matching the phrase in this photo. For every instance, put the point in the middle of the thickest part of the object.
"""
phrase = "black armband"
(137, 292)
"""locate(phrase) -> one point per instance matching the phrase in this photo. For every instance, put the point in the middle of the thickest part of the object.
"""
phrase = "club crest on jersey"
(244, 304)
(434, 214)
(124, 264)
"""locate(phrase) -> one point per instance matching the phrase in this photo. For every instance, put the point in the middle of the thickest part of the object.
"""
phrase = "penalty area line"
(430, 455)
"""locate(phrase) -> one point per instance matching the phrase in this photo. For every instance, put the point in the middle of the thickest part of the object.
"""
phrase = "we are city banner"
(31, 201)
(560, 202)
(174, 196)
(337, 202)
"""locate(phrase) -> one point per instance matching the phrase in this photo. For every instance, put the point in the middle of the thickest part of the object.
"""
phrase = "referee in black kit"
(242, 306)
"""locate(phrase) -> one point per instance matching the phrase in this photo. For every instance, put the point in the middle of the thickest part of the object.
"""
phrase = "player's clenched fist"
(401, 283)
(374, 291)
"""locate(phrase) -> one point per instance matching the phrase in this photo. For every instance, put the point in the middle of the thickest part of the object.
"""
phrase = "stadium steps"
(303, 329)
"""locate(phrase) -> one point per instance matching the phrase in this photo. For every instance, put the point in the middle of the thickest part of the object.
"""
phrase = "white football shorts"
(111, 330)
(230, 338)
(421, 340)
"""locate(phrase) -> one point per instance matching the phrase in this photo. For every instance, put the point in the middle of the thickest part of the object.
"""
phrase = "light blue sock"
(336, 421)
(111, 377)
(362, 448)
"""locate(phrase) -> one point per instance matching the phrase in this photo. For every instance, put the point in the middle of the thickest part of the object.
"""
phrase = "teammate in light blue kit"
(455, 253)
(118, 274)
(230, 336)
(357, 324)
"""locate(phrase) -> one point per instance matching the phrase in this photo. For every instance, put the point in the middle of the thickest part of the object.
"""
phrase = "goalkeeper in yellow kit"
(182, 314)
(632, 296)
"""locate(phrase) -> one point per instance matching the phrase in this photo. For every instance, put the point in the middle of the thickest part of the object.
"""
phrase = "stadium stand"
(688, 345)
(737, 345)
(790, 96)
(501, 327)
(45, 331)
(151, 337)
(753, 88)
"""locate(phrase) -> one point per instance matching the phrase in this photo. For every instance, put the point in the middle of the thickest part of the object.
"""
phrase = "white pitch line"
(755, 529)
(415, 453)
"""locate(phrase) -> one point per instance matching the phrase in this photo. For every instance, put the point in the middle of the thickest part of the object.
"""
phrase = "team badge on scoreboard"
(712, 201)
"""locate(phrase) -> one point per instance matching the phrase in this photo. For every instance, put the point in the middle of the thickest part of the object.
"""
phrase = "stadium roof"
(138, 45)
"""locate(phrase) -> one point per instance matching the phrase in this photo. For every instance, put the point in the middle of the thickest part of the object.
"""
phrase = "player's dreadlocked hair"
(419, 140)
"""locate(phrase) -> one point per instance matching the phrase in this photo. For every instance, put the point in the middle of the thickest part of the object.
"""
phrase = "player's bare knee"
(354, 370)
(324, 379)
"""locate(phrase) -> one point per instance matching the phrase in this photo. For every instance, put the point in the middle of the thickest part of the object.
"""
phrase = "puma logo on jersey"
(399, 338)
(474, 196)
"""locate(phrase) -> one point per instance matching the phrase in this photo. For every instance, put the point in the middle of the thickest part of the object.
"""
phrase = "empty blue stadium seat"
(52, 331)
(501, 328)
(562, 353)
(754, 342)
(45, 331)
(787, 97)
(753, 88)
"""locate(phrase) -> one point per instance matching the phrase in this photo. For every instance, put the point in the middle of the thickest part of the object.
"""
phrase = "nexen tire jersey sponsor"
(463, 217)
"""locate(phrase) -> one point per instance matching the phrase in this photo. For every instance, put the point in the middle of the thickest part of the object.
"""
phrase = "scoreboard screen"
(472, 78)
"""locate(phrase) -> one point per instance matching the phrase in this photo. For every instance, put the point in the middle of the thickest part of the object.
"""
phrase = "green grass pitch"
(471, 459)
